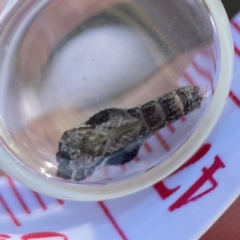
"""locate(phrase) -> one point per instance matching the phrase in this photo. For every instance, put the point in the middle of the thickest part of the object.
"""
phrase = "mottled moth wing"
(106, 115)
(127, 145)
(124, 147)
(111, 139)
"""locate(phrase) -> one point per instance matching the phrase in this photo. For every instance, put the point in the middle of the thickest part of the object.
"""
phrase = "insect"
(114, 136)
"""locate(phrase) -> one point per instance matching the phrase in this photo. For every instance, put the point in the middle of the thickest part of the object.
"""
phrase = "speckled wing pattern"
(114, 136)
(110, 137)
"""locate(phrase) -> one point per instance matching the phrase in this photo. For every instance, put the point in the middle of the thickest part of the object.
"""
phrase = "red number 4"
(207, 175)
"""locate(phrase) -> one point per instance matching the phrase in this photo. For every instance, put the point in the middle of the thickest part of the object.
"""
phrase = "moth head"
(71, 168)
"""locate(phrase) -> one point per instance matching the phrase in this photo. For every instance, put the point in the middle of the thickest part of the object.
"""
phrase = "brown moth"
(114, 136)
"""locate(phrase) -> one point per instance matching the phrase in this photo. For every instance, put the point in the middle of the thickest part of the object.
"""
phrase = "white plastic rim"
(76, 192)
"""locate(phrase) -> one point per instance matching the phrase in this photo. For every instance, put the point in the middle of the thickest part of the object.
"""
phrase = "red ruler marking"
(235, 99)
(163, 191)
(237, 50)
(40, 201)
(171, 128)
(183, 118)
(236, 26)
(202, 151)
(18, 195)
(213, 59)
(113, 221)
(205, 52)
(60, 201)
(44, 235)
(203, 73)
(209, 52)
(188, 78)
(123, 167)
(106, 173)
(10, 213)
(162, 141)
(137, 159)
(147, 147)
(4, 236)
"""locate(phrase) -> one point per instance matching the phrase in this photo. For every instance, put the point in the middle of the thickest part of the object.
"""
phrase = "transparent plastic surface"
(64, 61)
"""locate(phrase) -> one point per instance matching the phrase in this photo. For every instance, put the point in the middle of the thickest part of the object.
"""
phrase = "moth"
(114, 136)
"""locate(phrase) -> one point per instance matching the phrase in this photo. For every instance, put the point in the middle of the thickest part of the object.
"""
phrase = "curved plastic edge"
(61, 190)
(223, 20)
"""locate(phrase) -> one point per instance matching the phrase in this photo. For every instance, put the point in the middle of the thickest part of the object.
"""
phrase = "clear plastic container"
(64, 61)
